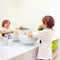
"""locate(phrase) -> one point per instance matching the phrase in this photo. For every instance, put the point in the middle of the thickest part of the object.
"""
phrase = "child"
(45, 38)
(6, 28)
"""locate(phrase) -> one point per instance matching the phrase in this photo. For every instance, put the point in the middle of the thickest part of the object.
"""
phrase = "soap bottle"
(10, 40)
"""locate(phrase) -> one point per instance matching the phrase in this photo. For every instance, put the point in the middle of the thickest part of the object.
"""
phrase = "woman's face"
(7, 24)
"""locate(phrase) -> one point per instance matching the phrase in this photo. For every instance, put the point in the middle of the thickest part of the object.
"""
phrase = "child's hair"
(5, 21)
(49, 21)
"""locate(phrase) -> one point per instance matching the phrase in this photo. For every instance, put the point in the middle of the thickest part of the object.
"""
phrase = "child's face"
(7, 24)
(44, 25)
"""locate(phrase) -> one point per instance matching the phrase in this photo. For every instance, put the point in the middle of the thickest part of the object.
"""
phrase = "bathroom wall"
(9, 10)
(32, 11)
(29, 13)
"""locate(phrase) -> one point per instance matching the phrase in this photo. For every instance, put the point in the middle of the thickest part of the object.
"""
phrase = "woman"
(45, 38)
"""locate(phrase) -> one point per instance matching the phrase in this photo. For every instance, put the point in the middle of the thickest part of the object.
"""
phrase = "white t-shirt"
(4, 29)
(45, 48)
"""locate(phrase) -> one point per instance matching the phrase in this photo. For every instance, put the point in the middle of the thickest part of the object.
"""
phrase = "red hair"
(49, 21)
(4, 22)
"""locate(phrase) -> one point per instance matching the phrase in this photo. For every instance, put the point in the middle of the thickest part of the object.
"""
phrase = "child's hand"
(16, 32)
(30, 34)
(11, 31)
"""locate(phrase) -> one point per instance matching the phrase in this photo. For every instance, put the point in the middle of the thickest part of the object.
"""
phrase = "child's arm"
(37, 34)
(33, 34)
(30, 34)
(16, 32)
(6, 31)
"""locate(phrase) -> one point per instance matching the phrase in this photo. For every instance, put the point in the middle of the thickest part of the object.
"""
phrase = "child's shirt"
(45, 43)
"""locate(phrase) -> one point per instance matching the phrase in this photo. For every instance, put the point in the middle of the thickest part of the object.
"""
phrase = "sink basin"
(27, 40)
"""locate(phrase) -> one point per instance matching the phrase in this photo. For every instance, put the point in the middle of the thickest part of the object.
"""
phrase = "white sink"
(27, 40)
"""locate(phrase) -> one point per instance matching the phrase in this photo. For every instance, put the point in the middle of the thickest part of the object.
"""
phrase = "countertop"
(8, 52)
(11, 51)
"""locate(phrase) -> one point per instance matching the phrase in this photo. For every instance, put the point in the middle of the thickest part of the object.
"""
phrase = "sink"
(27, 40)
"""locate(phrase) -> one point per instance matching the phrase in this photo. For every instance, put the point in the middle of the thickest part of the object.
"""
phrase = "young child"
(45, 38)
(6, 28)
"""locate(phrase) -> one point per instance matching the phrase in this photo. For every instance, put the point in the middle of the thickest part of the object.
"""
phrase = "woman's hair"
(49, 21)
(4, 22)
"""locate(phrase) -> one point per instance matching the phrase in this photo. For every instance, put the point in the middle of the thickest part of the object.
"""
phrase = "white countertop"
(8, 52)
